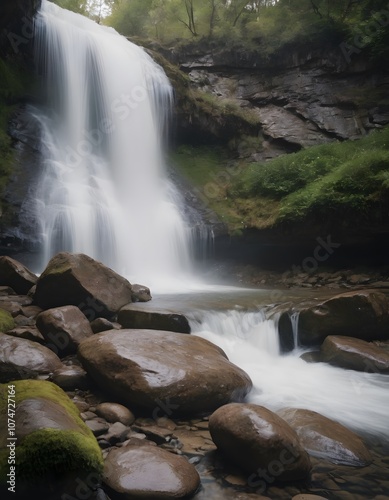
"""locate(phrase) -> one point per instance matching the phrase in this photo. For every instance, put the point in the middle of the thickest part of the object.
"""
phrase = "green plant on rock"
(6, 321)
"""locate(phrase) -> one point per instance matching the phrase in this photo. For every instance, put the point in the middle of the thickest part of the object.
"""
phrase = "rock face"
(143, 316)
(15, 275)
(259, 442)
(136, 472)
(354, 354)
(76, 279)
(324, 438)
(52, 440)
(163, 371)
(361, 314)
(20, 358)
(64, 328)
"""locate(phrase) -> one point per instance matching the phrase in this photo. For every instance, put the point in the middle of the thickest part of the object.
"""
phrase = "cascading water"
(104, 191)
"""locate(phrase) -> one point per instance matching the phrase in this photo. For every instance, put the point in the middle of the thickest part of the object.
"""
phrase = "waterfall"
(104, 190)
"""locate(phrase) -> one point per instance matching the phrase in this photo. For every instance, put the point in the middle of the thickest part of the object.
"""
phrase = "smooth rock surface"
(148, 472)
(20, 358)
(354, 354)
(163, 371)
(254, 438)
(64, 328)
(144, 316)
(16, 275)
(70, 378)
(76, 279)
(140, 293)
(113, 412)
(99, 325)
(324, 438)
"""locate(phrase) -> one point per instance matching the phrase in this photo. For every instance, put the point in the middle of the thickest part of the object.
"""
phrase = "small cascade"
(104, 190)
(294, 319)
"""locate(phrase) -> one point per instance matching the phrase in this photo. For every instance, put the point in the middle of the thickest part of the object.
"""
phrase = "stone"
(20, 359)
(114, 412)
(21, 320)
(258, 440)
(162, 371)
(102, 325)
(117, 433)
(154, 433)
(140, 293)
(354, 354)
(326, 439)
(6, 290)
(76, 279)
(142, 316)
(31, 311)
(306, 496)
(52, 441)
(16, 275)
(362, 314)
(141, 471)
(14, 308)
(70, 378)
(64, 328)
(98, 426)
(27, 332)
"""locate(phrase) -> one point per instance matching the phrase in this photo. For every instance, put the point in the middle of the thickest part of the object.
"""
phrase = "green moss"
(50, 452)
(6, 321)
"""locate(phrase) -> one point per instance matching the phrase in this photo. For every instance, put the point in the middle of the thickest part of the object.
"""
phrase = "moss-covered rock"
(55, 449)
(6, 321)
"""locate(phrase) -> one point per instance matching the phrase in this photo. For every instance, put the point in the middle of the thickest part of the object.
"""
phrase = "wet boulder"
(64, 328)
(260, 442)
(16, 275)
(326, 439)
(162, 371)
(79, 280)
(139, 316)
(142, 471)
(21, 358)
(354, 354)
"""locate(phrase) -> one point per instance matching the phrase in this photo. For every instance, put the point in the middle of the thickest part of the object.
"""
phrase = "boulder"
(16, 275)
(141, 471)
(354, 354)
(260, 442)
(20, 359)
(6, 321)
(76, 279)
(360, 314)
(52, 441)
(70, 378)
(140, 293)
(64, 328)
(102, 325)
(326, 439)
(142, 316)
(27, 332)
(162, 371)
(113, 412)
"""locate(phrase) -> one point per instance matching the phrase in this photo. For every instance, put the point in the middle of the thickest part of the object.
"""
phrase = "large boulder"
(21, 358)
(55, 449)
(162, 371)
(260, 442)
(142, 316)
(79, 280)
(361, 314)
(326, 439)
(354, 354)
(16, 275)
(64, 328)
(141, 471)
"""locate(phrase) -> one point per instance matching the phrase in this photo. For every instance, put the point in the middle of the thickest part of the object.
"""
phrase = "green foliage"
(330, 180)
(79, 6)
(6, 321)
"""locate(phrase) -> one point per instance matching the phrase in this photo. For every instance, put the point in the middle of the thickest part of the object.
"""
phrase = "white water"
(358, 400)
(104, 191)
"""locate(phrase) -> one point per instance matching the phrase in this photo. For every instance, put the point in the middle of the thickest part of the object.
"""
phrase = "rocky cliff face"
(296, 99)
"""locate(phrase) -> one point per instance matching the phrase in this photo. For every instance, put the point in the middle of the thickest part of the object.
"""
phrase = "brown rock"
(143, 316)
(141, 471)
(99, 325)
(64, 328)
(21, 359)
(27, 332)
(76, 279)
(16, 275)
(354, 354)
(140, 293)
(258, 440)
(162, 371)
(325, 438)
(70, 378)
(113, 412)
